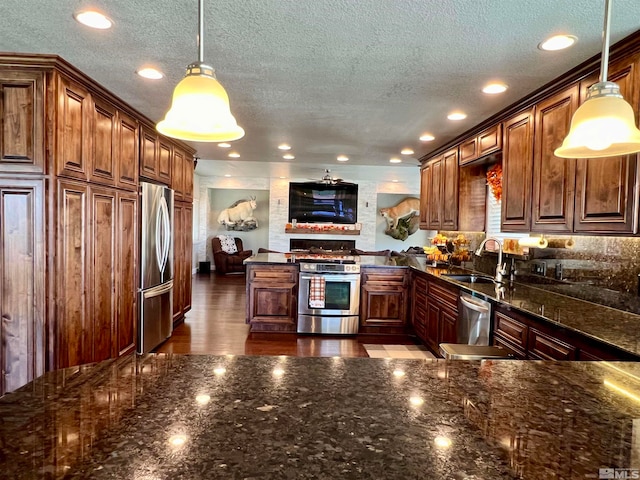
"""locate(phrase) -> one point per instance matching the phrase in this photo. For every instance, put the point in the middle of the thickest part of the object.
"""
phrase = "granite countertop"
(163, 416)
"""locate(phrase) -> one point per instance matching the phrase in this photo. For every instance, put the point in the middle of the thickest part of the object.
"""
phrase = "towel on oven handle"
(316, 292)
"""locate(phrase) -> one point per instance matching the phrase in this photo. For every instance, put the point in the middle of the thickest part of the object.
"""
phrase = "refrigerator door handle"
(158, 290)
(163, 240)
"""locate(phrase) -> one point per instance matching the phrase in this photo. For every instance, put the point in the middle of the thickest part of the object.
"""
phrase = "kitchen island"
(163, 416)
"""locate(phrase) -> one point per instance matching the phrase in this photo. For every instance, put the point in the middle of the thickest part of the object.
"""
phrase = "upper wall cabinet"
(553, 177)
(156, 156)
(127, 153)
(74, 112)
(486, 143)
(21, 122)
(605, 187)
(425, 194)
(517, 173)
(439, 192)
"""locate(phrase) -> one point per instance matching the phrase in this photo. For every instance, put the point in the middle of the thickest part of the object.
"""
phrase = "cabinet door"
(606, 199)
(187, 257)
(148, 153)
(425, 195)
(553, 177)
(433, 326)
(74, 130)
(102, 165)
(435, 194)
(127, 272)
(448, 326)
(178, 258)
(21, 121)
(449, 198)
(165, 161)
(545, 347)
(383, 305)
(102, 269)
(490, 140)
(468, 151)
(419, 304)
(188, 177)
(22, 270)
(74, 327)
(177, 179)
(517, 173)
(127, 153)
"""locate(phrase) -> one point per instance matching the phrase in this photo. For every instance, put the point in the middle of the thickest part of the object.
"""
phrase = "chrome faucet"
(501, 269)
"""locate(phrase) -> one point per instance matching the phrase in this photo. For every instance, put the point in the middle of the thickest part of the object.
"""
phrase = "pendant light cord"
(201, 31)
(604, 61)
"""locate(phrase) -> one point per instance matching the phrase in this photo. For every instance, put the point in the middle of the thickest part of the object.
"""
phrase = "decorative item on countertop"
(494, 180)
(402, 219)
(239, 216)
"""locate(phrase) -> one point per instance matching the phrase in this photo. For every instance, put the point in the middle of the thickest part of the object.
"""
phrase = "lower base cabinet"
(272, 297)
(383, 300)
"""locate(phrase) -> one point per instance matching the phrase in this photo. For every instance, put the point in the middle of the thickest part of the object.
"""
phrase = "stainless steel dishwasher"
(474, 320)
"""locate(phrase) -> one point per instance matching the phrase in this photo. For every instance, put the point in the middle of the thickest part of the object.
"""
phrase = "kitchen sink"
(468, 278)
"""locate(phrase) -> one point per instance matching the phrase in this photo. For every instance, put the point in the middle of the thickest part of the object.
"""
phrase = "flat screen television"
(323, 203)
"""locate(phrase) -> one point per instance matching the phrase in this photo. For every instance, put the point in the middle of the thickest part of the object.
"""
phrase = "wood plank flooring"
(216, 326)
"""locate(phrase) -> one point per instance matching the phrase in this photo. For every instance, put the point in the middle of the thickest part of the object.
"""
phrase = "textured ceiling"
(358, 77)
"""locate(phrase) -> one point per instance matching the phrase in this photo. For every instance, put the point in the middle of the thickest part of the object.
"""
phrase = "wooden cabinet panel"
(383, 297)
(435, 194)
(127, 153)
(468, 151)
(127, 272)
(187, 256)
(102, 300)
(271, 297)
(188, 177)
(448, 327)
(606, 199)
(553, 177)
(449, 199)
(510, 329)
(165, 161)
(178, 248)
(74, 127)
(442, 315)
(148, 153)
(21, 121)
(104, 143)
(75, 332)
(490, 141)
(432, 328)
(425, 195)
(545, 347)
(518, 353)
(419, 304)
(517, 173)
(22, 273)
(177, 179)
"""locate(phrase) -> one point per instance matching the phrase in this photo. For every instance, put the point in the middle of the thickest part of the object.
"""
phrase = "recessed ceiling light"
(150, 73)
(342, 158)
(227, 175)
(494, 88)
(427, 137)
(224, 145)
(407, 151)
(394, 181)
(455, 116)
(234, 155)
(395, 160)
(93, 19)
(557, 42)
(284, 146)
(282, 178)
(288, 156)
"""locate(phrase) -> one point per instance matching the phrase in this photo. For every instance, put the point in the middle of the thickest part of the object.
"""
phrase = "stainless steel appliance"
(156, 272)
(340, 314)
(474, 320)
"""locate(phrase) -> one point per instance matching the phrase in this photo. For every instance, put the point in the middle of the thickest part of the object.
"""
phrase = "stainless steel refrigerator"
(156, 281)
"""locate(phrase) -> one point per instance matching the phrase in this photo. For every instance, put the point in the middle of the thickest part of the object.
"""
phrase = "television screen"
(323, 203)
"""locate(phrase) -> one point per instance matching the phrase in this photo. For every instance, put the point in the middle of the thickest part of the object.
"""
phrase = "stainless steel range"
(329, 297)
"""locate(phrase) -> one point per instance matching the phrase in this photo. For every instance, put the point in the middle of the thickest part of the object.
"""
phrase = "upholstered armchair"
(229, 262)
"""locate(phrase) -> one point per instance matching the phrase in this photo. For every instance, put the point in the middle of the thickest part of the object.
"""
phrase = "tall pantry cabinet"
(69, 219)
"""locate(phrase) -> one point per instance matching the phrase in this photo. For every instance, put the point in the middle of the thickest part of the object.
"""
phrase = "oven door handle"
(332, 277)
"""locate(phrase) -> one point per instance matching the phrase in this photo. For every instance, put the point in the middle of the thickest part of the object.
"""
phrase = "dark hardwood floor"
(216, 325)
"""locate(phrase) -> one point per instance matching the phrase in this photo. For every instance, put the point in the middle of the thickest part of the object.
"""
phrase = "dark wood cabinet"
(439, 192)
(104, 148)
(517, 173)
(546, 347)
(127, 259)
(74, 112)
(22, 263)
(148, 153)
(383, 300)
(553, 177)
(127, 153)
(468, 151)
(419, 286)
(606, 199)
(22, 121)
(165, 160)
(426, 174)
(511, 333)
(182, 176)
(487, 142)
(272, 297)
(441, 315)
(182, 258)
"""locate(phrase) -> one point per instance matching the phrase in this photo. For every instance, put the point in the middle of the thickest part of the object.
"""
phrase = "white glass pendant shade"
(603, 126)
(200, 109)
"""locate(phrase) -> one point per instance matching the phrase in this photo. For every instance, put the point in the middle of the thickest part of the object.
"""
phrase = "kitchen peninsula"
(529, 321)
(165, 416)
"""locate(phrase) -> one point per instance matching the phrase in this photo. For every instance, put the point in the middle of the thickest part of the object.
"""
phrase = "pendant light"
(604, 125)
(200, 106)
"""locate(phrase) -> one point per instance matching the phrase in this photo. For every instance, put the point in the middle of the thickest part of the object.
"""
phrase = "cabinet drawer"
(443, 295)
(273, 274)
(387, 276)
(511, 330)
(518, 352)
(544, 347)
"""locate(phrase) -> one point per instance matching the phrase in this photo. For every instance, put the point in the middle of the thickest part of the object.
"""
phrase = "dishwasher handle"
(471, 304)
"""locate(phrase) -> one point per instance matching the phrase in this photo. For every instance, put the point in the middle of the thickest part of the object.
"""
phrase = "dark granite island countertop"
(206, 417)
